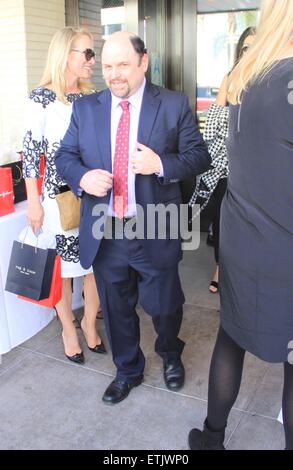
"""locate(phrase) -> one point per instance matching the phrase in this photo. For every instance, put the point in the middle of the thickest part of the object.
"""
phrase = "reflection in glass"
(112, 17)
(217, 37)
(153, 14)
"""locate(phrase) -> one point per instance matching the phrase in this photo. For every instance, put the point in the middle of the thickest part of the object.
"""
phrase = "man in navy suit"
(132, 143)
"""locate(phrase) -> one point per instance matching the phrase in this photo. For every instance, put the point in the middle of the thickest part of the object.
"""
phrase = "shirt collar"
(135, 99)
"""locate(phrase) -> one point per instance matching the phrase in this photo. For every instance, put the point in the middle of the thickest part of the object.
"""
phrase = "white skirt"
(67, 243)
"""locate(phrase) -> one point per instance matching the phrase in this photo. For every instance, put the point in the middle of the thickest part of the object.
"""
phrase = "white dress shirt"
(135, 101)
(134, 108)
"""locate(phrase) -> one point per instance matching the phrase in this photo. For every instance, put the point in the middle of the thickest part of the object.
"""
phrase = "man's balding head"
(125, 37)
(124, 63)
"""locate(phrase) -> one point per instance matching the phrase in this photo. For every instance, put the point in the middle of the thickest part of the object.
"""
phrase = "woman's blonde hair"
(274, 30)
(54, 73)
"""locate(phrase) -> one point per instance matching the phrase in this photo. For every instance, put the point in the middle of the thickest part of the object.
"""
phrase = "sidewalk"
(46, 402)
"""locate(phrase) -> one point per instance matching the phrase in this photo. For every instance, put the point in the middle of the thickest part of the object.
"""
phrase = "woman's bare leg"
(91, 307)
(64, 311)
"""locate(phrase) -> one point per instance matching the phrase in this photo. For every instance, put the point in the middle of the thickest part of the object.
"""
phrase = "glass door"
(218, 31)
(152, 29)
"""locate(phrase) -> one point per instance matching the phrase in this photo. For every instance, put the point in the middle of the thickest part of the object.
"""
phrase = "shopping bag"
(55, 291)
(6, 191)
(17, 180)
(30, 271)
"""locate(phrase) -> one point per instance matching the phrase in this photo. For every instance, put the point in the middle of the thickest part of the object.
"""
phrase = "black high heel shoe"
(77, 358)
(99, 348)
(214, 287)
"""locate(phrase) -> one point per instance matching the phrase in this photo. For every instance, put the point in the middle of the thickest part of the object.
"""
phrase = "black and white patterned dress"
(215, 135)
(47, 120)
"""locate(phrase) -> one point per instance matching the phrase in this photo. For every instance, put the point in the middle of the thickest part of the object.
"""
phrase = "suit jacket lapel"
(102, 121)
(149, 109)
(102, 126)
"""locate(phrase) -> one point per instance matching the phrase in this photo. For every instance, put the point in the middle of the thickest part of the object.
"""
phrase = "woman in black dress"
(256, 245)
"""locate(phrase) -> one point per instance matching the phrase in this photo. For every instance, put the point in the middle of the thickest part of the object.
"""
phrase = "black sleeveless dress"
(256, 234)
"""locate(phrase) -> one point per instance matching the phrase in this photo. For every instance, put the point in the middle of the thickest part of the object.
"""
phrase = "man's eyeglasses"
(89, 53)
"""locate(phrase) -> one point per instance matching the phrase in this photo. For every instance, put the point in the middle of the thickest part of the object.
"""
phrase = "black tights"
(224, 383)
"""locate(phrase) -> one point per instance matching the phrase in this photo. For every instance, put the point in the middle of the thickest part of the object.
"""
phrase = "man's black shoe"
(174, 374)
(118, 390)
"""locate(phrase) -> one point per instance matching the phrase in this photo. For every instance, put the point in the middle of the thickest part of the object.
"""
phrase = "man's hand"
(97, 182)
(144, 161)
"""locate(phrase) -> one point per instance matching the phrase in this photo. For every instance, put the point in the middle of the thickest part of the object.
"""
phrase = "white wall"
(13, 77)
(26, 28)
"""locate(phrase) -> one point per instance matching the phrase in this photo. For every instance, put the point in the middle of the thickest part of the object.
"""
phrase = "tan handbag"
(69, 209)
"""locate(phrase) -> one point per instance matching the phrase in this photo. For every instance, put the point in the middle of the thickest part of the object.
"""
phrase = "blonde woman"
(256, 244)
(66, 77)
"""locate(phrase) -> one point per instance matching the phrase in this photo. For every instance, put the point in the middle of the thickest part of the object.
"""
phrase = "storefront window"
(217, 37)
(112, 17)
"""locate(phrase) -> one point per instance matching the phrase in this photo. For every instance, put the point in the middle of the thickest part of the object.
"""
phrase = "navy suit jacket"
(167, 126)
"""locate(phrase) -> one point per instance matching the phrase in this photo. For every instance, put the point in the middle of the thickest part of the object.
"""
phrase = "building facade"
(190, 44)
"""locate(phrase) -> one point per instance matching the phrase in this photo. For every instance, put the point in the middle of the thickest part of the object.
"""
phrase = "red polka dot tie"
(120, 180)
